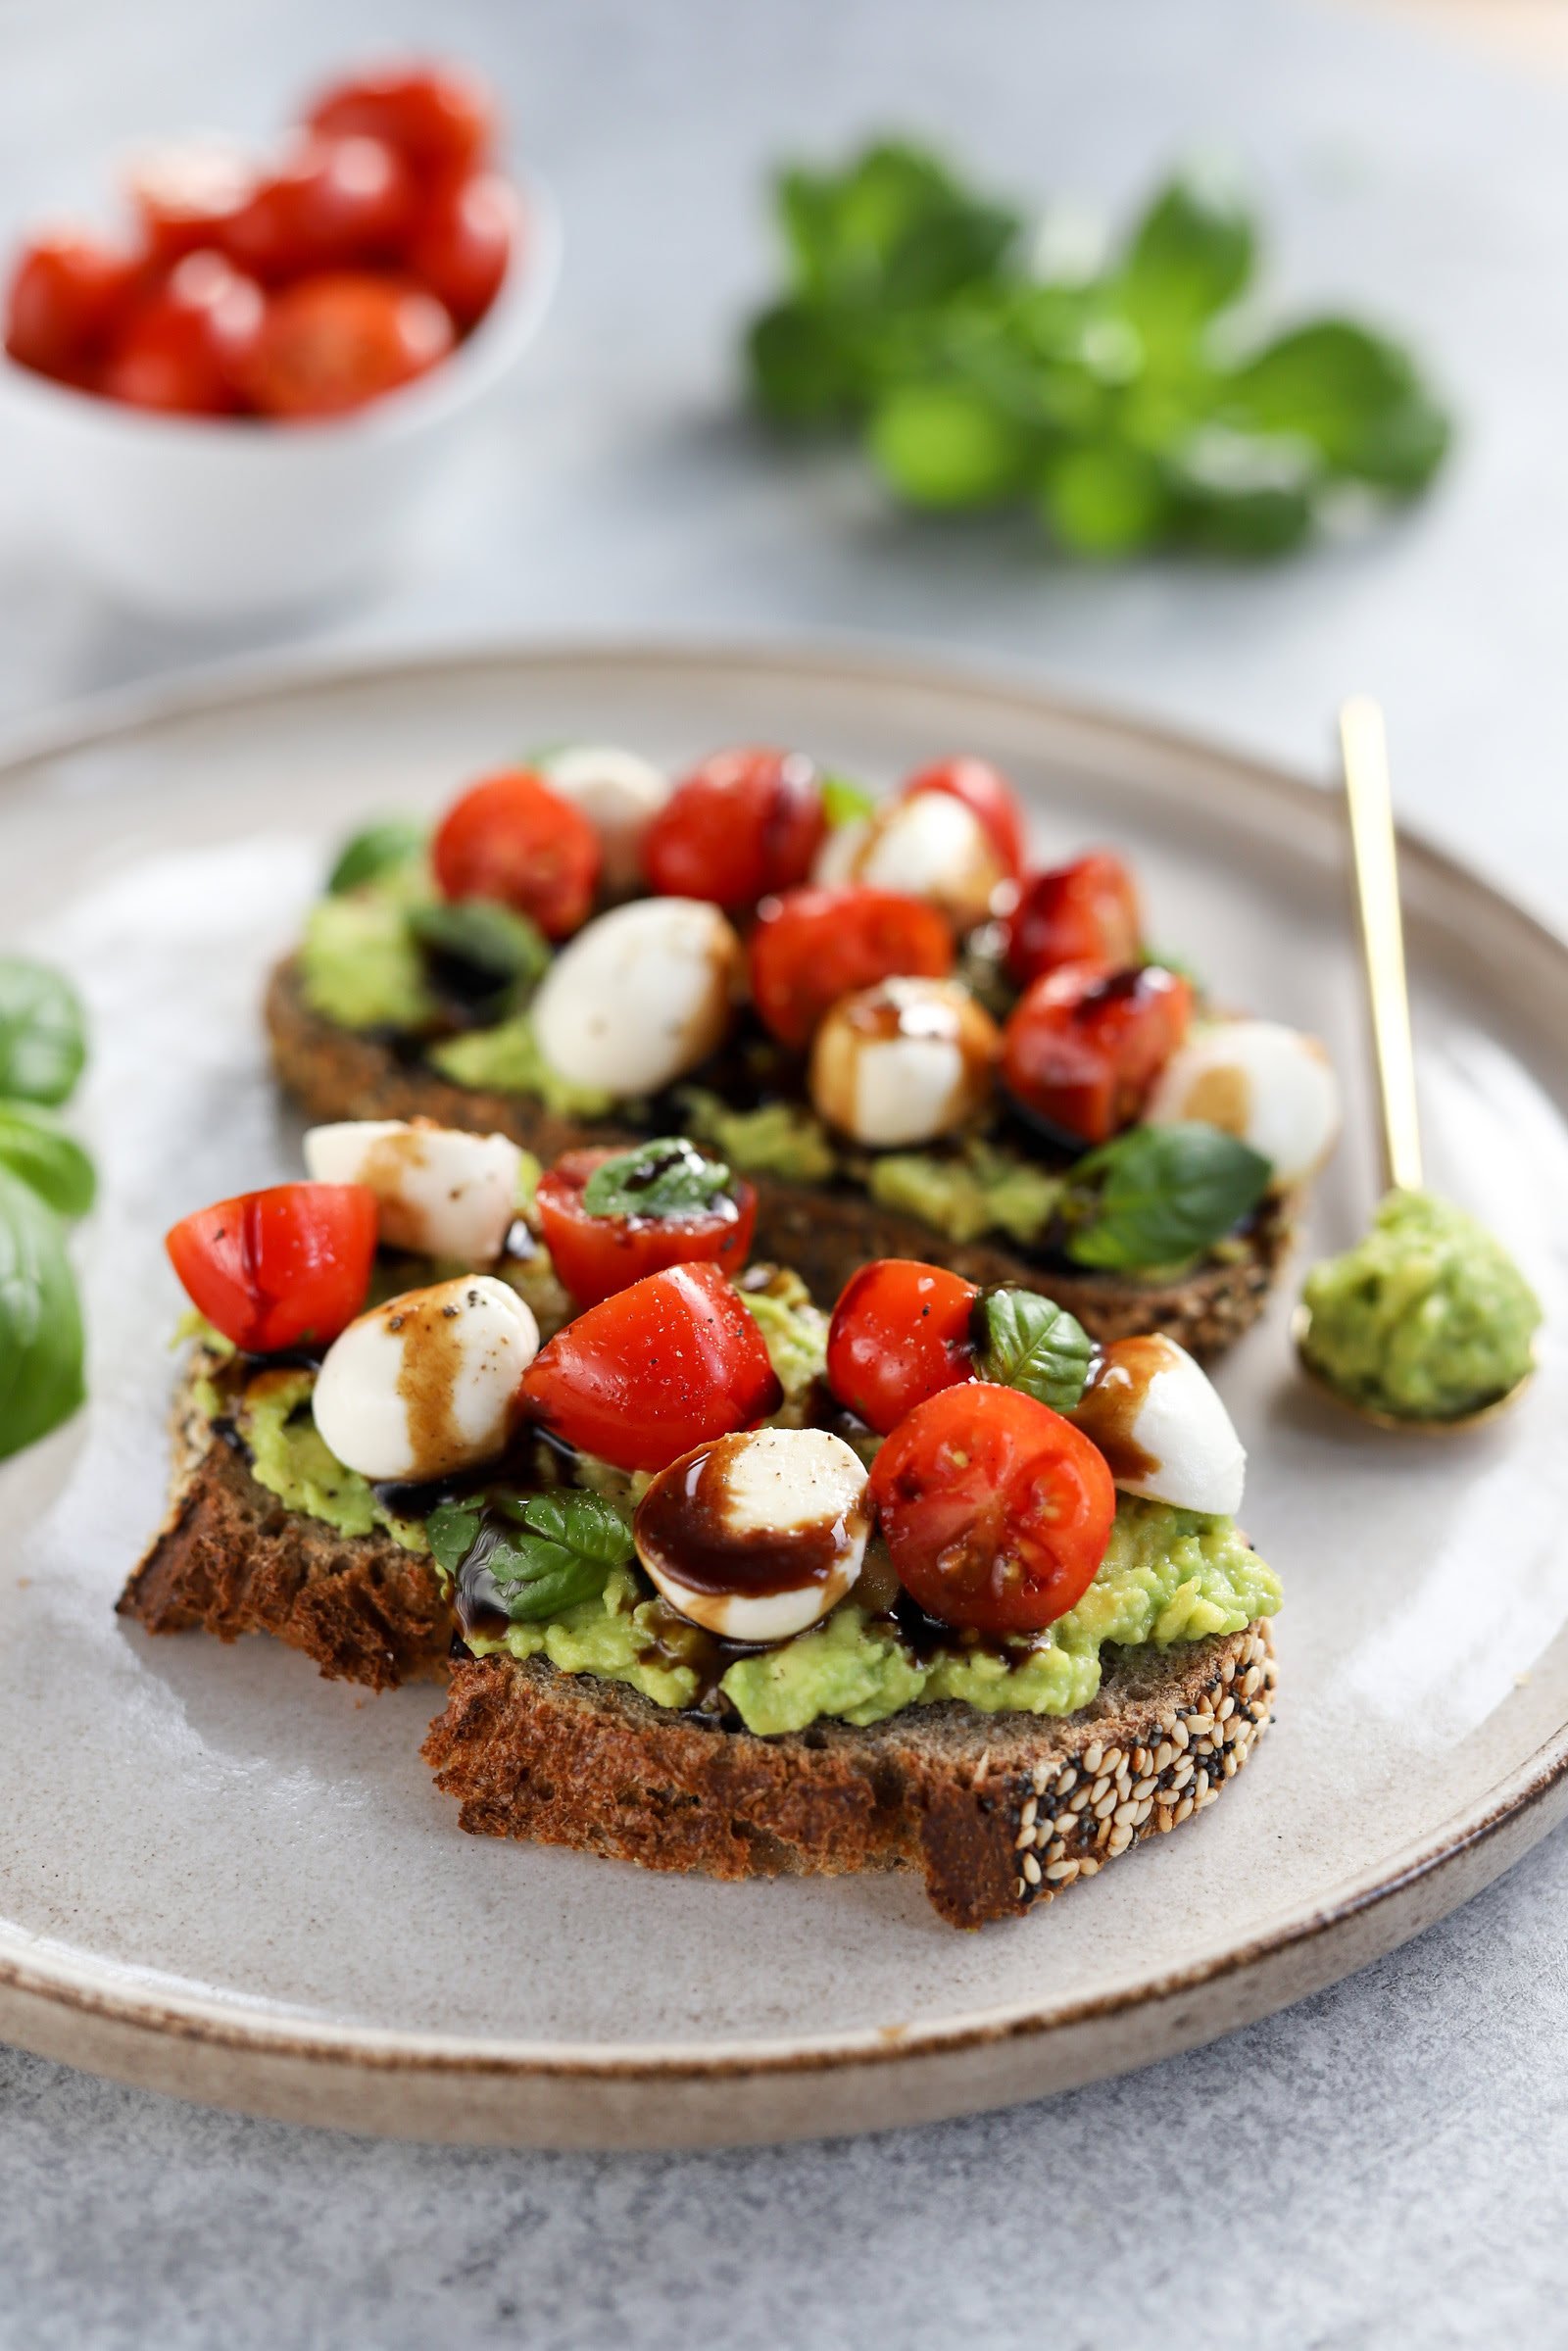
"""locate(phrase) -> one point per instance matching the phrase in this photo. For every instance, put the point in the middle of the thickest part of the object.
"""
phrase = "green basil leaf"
(41, 1379)
(1031, 1342)
(895, 227)
(46, 1158)
(43, 1032)
(801, 365)
(393, 842)
(482, 931)
(1355, 396)
(564, 1546)
(452, 1530)
(947, 445)
(667, 1177)
(1103, 499)
(843, 803)
(1244, 494)
(1191, 254)
(1160, 1195)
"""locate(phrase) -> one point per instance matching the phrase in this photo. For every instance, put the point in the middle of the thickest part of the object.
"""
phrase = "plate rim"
(1475, 1842)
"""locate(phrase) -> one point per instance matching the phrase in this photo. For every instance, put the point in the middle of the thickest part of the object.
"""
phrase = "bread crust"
(999, 1813)
(825, 1234)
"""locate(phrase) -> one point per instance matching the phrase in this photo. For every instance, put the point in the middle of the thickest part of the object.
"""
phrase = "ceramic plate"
(226, 1877)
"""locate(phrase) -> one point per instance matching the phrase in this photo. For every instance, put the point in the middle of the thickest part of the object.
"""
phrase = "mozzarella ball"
(439, 1192)
(428, 1383)
(1160, 1422)
(618, 793)
(931, 846)
(758, 1535)
(903, 1062)
(1268, 1085)
(640, 996)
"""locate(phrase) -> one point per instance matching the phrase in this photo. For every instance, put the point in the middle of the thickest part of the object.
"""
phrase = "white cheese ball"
(931, 846)
(439, 1192)
(640, 996)
(782, 1507)
(903, 1062)
(619, 793)
(428, 1383)
(1161, 1425)
(1270, 1086)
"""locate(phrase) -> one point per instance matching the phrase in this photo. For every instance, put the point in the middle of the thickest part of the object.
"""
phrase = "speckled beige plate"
(224, 1876)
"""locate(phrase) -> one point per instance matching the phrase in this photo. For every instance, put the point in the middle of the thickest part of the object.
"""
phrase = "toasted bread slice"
(999, 1812)
(826, 1234)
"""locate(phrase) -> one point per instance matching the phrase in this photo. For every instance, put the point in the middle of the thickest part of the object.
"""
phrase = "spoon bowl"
(1406, 1424)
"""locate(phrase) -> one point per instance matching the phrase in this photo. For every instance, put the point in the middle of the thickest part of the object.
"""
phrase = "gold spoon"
(1364, 744)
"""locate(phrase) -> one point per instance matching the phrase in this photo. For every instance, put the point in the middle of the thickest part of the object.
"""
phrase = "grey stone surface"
(1381, 2163)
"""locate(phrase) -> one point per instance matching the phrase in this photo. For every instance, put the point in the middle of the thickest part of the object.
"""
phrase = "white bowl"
(214, 519)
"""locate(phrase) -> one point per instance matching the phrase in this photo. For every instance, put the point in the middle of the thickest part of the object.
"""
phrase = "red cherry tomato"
(1083, 1046)
(649, 1373)
(335, 203)
(331, 343)
(995, 1511)
(462, 243)
(439, 117)
(187, 196)
(1085, 913)
(743, 824)
(597, 1255)
(189, 346)
(811, 946)
(987, 791)
(511, 837)
(67, 294)
(282, 1268)
(901, 1332)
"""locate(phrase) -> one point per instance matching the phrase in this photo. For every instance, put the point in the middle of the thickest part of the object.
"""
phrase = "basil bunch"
(45, 1179)
(1127, 404)
(545, 1551)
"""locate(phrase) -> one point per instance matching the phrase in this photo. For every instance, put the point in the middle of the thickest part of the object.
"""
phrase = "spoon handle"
(1377, 887)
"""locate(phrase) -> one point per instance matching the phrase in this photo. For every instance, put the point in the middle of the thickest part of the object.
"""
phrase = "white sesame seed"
(1094, 1757)
(1231, 1765)
(1224, 1710)
(1066, 1780)
(1042, 1777)
(1031, 1869)
(1164, 1821)
(1089, 1867)
(1113, 1760)
(1164, 1756)
(1055, 1849)
(1106, 1805)
(1100, 1787)
(1025, 1836)
(1200, 1785)
(1143, 1788)
(1121, 1838)
(1181, 1775)
(1179, 1734)
(1026, 1818)
(1019, 1890)
(1254, 1678)
(1184, 1809)
(1063, 1873)
(1125, 1816)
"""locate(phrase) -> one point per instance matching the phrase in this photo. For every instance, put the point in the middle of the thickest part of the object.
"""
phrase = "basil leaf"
(1191, 254)
(48, 1160)
(668, 1177)
(1355, 396)
(948, 444)
(564, 1546)
(843, 803)
(394, 842)
(1031, 1342)
(452, 1530)
(41, 1379)
(495, 939)
(1160, 1195)
(1103, 499)
(43, 1032)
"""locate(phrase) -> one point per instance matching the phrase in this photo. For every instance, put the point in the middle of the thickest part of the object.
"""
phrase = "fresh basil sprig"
(668, 1177)
(379, 849)
(45, 1178)
(492, 938)
(1160, 1196)
(43, 1032)
(545, 1552)
(1029, 1341)
(48, 1160)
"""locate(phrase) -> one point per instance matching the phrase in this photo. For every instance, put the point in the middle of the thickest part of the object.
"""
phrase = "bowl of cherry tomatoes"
(239, 404)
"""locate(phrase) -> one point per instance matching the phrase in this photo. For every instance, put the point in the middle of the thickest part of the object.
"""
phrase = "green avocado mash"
(506, 1059)
(986, 1190)
(359, 965)
(1427, 1318)
(1167, 1576)
(779, 1138)
(292, 1461)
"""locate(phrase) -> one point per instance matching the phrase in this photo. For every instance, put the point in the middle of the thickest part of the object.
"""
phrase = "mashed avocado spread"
(1427, 1318)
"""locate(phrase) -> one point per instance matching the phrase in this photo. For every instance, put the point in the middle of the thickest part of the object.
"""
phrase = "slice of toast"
(825, 1234)
(999, 1812)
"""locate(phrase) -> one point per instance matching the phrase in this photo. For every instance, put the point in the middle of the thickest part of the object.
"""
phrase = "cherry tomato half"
(440, 117)
(811, 946)
(188, 347)
(282, 1268)
(1083, 1045)
(463, 242)
(987, 791)
(188, 195)
(744, 824)
(901, 1332)
(331, 343)
(995, 1511)
(511, 837)
(597, 1255)
(67, 294)
(647, 1374)
(1085, 913)
(335, 203)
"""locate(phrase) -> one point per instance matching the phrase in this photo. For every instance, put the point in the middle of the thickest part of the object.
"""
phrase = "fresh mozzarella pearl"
(428, 1383)
(931, 846)
(1160, 1422)
(771, 1524)
(1269, 1085)
(439, 1192)
(618, 793)
(903, 1062)
(640, 996)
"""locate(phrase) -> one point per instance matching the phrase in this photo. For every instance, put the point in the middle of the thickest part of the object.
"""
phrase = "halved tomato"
(901, 1332)
(1083, 1046)
(597, 1255)
(282, 1268)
